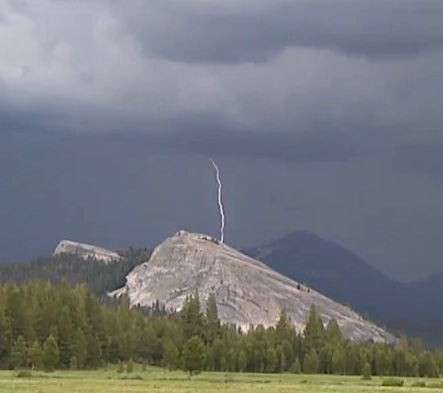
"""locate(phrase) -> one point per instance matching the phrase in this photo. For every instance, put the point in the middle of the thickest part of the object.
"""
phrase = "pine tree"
(193, 355)
(296, 367)
(402, 344)
(54, 332)
(66, 337)
(7, 340)
(283, 364)
(314, 331)
(80, 348)
(36, 355)
(218, 351)
(325, 359)
(51, 354)
(400, 361)
(223, 364)
(288, 352)
(284, 329)
(382, 363)
(232, 359)
(427, 366)
(416, 346)
(242, 361)
(2, 335)
(18, 311)
(73, 364)
(147, 343)
(94, 352)
(271, 360)
(212, 322)
(364, 356)
(311, 362)
(351, 361)
(338, 361)
(170, 355)
(18, 353)
(191, 316)
(209, 360)
(413, 365)
(128, 345)
(333, 332)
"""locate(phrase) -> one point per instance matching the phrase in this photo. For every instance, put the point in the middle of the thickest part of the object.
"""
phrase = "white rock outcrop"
(86, 251)
(246, 290)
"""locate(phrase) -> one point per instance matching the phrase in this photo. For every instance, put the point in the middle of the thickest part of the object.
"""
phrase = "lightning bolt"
(220, 200)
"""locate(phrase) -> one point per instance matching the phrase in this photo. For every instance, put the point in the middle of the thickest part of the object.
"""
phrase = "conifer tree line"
(99, 277)
(59, 327)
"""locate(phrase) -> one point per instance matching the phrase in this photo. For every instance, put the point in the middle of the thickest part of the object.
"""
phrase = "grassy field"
(160, 381)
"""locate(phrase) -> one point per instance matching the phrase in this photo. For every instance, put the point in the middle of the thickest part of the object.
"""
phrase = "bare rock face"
(246, 290)
(86, 251)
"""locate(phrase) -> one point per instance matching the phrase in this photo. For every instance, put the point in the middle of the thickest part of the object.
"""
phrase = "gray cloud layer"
(346, 89)
(257, 30)
(255, 66)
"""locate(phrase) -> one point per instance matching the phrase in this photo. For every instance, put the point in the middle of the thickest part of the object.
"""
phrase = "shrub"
(392, 382)
(296, 367)
(419, 384)
(130, 366)
(24, 374)
(73, 362)
(136, 377)
(366, 375)
(229, 378)
(51, 354)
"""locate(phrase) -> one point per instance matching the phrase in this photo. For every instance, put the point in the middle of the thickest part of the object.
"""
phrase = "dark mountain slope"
(334, 271)
(428, 302)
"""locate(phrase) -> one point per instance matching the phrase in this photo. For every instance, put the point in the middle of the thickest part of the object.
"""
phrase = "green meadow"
(161, 381)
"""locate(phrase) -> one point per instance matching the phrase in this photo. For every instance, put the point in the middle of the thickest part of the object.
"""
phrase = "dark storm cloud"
(317, 146)
(256, 30)
(109, 111)
(122, 190)
(149, 67)
(422, 158)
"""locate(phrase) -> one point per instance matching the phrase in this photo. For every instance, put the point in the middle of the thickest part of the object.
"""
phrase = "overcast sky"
(324, 115)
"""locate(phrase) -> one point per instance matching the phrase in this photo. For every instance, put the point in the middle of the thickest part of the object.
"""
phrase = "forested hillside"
(99, 277)
(49, 327)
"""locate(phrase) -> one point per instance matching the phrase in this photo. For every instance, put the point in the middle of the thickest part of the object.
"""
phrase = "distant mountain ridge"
(332, 270)
(414, 308)
(86, 251)
(99, 277)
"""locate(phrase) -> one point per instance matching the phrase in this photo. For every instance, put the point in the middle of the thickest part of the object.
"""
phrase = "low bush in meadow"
(392, 382)
(24, 374)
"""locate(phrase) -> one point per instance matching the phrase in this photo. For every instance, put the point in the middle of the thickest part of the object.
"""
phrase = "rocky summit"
(86, 251)
(246, 290)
